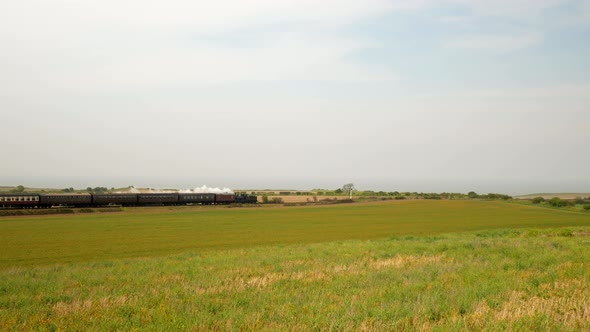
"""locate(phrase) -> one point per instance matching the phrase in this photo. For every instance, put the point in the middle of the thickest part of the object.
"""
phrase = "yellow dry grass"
(317, 273)
(77, 307)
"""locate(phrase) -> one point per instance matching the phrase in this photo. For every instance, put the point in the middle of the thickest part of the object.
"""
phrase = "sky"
(423, 95)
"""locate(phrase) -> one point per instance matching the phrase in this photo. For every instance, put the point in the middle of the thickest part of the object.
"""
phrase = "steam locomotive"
(144, 199)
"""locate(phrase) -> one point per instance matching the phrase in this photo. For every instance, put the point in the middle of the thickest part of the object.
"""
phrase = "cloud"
(130, 44)
(508, 8)
(496, 43)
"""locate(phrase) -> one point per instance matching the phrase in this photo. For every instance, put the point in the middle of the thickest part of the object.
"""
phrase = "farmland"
(375, 266)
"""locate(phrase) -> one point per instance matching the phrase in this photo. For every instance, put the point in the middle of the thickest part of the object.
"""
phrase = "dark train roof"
(19, 194)
(66, 194)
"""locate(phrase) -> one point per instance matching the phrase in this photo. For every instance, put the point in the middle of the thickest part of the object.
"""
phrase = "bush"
(344, 201)
(111, 209)
(587, 207)
(557, 202)
(295, 204)
(538, 200)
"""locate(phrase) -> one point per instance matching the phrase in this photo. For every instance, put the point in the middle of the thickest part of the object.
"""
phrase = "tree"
(472, 194)
(348, 188)
(20, 188)
(557, 202)
(538, 200)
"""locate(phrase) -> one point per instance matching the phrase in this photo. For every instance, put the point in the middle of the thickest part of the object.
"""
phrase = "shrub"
(111, 209)
(557, 202)
(587, 207)
(538, 200)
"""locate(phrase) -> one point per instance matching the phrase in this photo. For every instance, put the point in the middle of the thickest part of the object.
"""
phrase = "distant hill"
(551, 195)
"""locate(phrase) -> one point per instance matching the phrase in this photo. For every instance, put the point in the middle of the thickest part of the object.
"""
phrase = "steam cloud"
(208, 190)
(201, 190)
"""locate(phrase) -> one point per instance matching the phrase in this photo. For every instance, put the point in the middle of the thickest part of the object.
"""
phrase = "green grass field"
(420, 265)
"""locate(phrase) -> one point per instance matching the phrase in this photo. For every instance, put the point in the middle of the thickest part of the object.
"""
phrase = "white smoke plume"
(160, 191)
(208, 190)
(201, 190)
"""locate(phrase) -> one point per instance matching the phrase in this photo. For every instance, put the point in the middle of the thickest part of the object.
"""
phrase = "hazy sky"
(418, 95)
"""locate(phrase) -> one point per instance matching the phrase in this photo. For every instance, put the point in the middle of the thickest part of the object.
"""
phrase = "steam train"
(96, 200)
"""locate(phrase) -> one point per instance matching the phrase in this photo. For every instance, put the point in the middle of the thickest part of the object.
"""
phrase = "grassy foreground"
(411, 274)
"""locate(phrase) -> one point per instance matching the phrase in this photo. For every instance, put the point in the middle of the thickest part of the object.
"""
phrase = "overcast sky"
(424, 95)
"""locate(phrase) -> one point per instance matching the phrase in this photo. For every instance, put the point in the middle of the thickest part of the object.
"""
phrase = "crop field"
(404, 265)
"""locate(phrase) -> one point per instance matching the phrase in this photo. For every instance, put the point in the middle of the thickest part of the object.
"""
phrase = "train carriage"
(196, 198)
(225, 198)
(157, 199)
(48, 200)
(19, 200)
(114, 199)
